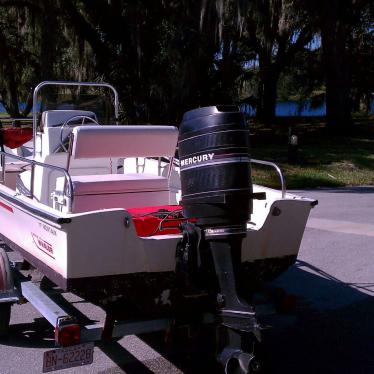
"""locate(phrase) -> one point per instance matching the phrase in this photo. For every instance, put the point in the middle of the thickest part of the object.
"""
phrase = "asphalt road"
(331, 330)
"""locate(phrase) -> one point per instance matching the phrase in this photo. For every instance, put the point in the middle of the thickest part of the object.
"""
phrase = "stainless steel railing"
(61, 83)
(261, 162)
(33, 163)
(278, 170)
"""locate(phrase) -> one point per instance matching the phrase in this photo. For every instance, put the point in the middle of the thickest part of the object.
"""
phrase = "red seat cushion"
(15, 137)
(157, 220)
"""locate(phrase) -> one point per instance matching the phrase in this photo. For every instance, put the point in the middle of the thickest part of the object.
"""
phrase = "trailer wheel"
(4, 319)
(6, 284)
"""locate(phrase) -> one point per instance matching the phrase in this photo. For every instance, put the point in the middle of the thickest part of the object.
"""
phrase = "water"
(21, 106)
(294, 109)
(291, 109)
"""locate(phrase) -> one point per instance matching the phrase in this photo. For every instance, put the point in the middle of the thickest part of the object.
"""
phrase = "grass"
(323, 159)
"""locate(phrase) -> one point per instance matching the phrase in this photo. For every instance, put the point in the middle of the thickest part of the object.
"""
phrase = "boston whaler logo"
(42, 245)
(196, 159)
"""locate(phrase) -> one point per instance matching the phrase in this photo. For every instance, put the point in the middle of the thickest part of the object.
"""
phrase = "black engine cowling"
(215, 166)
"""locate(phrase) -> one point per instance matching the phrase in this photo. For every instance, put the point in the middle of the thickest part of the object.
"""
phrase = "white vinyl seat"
(117, 183)
(94, 192)
(52, 118)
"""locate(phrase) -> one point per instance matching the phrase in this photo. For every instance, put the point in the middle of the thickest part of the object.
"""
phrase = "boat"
(101, 211)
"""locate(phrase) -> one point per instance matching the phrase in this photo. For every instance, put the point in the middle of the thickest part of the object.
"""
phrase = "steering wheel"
(67, 123)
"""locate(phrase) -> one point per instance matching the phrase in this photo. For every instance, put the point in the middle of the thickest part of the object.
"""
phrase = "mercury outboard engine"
(217, 194)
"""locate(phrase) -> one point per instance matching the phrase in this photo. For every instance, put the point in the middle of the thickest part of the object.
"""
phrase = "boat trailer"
(72, 334)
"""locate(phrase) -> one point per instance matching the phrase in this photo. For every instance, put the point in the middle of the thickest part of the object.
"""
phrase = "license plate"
(62, 358)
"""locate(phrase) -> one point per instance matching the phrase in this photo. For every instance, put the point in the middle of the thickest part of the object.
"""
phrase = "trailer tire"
(6, 277)
(4, 319)
(6, 284)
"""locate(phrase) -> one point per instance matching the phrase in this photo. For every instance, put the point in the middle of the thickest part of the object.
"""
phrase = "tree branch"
(86, 31)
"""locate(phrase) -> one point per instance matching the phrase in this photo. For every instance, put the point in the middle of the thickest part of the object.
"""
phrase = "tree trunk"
(338, 83)
(267, 93)
(48, 43)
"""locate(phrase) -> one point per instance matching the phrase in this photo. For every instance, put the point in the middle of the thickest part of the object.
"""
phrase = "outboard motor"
(217, 194)
(215, 167)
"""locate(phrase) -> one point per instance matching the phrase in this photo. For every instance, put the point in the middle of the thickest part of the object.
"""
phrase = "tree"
(270, 32)
(277, 31)
(362, 64)
(35, 45)
(167, 57)
(337, 20)
(13, 50)
(160, 64)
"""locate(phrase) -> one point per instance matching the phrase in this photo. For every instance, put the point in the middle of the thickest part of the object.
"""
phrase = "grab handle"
(278, 170)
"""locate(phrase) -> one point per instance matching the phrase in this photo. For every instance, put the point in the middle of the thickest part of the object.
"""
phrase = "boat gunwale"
(34, 210)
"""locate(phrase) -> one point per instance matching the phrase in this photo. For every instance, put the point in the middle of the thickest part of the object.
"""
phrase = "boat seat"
(54, 118)
(93, 192)
(117, 183)
(123, 141)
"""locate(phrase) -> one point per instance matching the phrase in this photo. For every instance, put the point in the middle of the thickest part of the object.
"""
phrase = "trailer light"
(67, 333)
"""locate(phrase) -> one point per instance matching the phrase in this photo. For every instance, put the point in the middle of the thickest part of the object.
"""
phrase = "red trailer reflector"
(67, 334)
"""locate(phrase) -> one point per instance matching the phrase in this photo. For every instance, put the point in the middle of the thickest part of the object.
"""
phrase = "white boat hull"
(73, 247)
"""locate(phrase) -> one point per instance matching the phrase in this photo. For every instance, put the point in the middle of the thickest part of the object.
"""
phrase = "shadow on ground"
(331, 331)
(38, 334)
